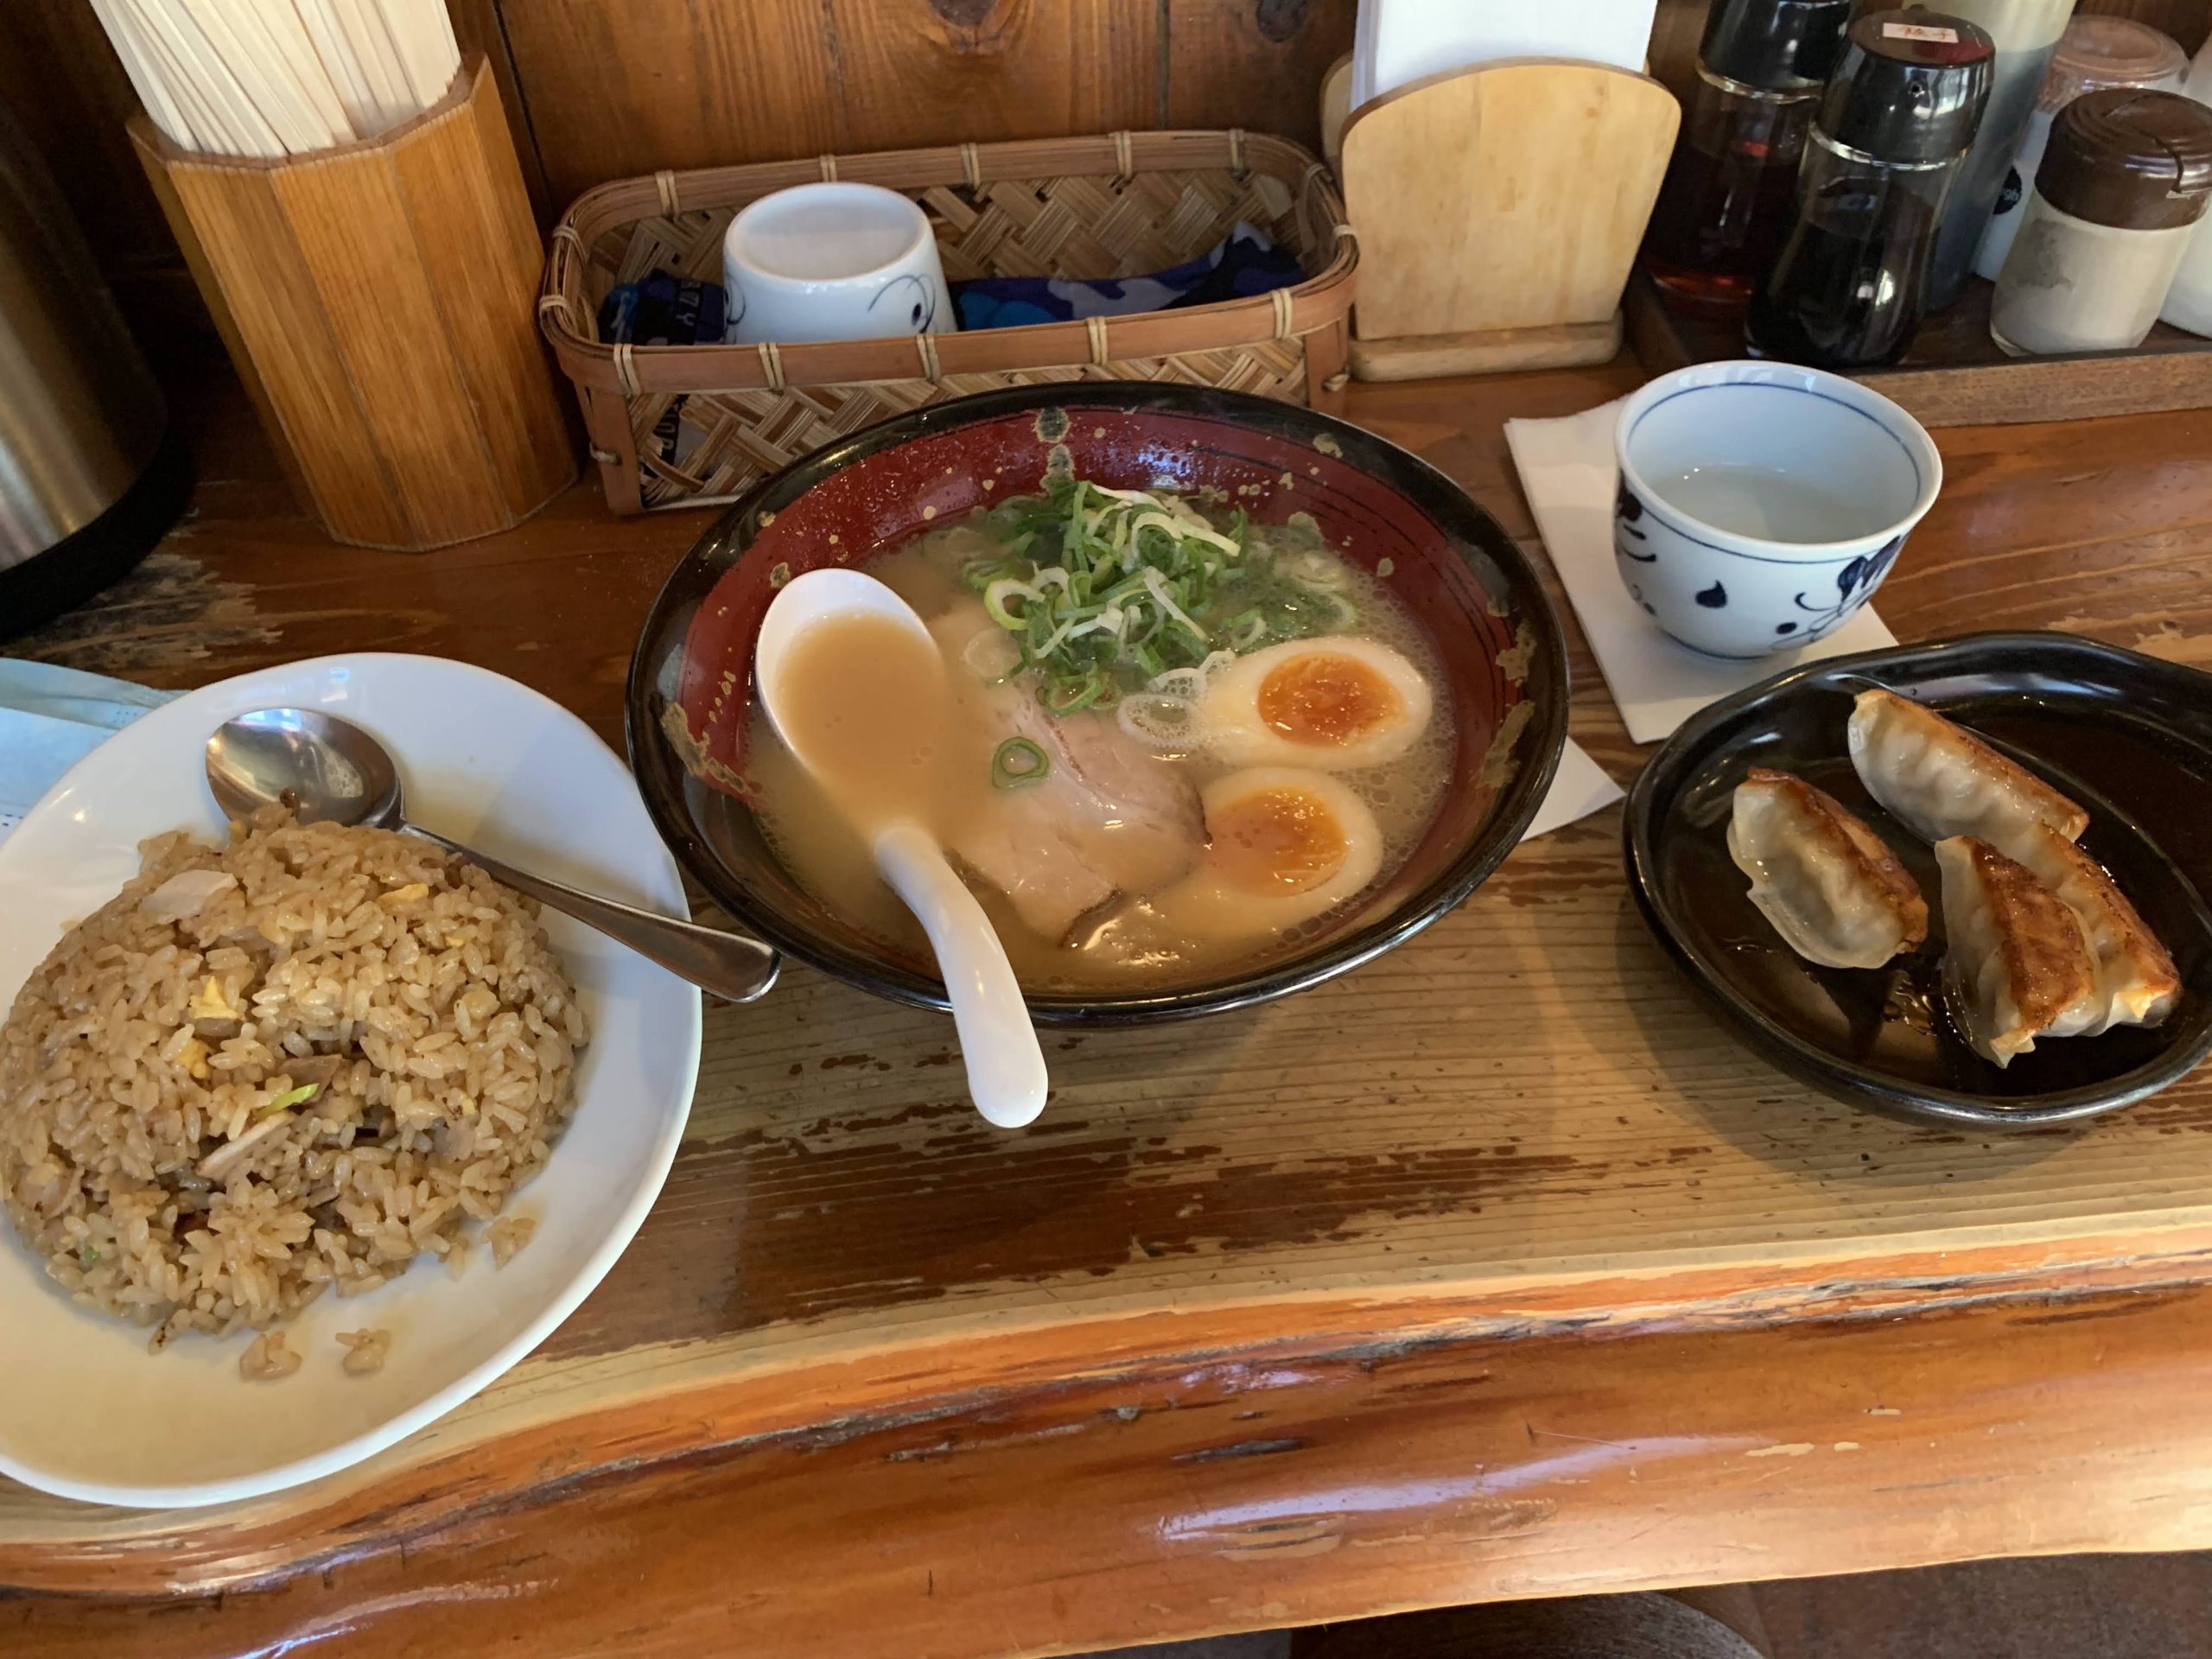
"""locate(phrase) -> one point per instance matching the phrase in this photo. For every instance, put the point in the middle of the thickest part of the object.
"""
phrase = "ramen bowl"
(1495, 639)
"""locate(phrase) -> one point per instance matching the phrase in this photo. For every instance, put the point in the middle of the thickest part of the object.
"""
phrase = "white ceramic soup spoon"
(837, 650)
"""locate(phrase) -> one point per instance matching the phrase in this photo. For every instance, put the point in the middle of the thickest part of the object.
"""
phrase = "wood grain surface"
(1493, 1269)
(380, 297)
(1954, 374)
(618, 90)
(1507, 197)
(600, 88)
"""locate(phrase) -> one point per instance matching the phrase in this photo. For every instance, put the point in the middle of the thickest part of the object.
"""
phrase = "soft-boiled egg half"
(1335, 702)
(1285, 844)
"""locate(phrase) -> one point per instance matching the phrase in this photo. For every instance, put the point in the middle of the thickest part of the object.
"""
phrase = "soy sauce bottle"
(1725, 202)
(1895, 123)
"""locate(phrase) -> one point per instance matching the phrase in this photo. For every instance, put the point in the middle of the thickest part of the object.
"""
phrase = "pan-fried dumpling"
(2018, 966)
(1940, 780)
(2136, 978)
(1831, 887)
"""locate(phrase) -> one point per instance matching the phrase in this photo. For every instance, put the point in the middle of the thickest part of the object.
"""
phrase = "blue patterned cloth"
(1244, 263)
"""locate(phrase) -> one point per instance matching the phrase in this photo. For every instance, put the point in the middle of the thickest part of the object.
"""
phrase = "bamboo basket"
(1116, 206)
(376, 298)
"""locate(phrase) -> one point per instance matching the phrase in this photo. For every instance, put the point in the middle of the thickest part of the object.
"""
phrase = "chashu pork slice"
(1109, 819)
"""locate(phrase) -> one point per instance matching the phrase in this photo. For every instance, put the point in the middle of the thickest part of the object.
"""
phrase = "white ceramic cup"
(833, 261)
(1761, 505)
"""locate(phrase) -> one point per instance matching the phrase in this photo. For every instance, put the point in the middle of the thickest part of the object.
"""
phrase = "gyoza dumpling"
(1830, 886)
(1940, 780)
(2018, 966)
(2137, 980)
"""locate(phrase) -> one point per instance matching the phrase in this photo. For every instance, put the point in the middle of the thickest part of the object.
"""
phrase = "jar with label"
(1895, 120)
(2026, 33)
(2095, 53)
(2189, 302)
(1725, 201)
(2124, 181)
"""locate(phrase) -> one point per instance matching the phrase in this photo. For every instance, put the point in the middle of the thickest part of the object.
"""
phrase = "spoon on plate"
(330, 771)
(837, 650)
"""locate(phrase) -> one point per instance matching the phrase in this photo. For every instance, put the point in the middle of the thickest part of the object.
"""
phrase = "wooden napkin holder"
(380, 301)
(1499, 210)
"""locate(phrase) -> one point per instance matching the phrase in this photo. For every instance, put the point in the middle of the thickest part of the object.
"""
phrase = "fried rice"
(278, 1067)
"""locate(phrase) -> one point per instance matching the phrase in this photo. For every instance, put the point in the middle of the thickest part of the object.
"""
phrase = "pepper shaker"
(1725, 202)
(2125, 177)
(1895, 121)
(2189, 302)
(2094, 51)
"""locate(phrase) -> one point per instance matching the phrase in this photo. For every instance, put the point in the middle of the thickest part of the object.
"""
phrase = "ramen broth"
(1130, 863)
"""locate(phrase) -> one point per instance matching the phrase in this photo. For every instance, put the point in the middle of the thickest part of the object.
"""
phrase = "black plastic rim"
(70, 572)
(660, 777)
(1691, 748)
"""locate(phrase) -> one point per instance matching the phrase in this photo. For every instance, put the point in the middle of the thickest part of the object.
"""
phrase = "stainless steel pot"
(90, 477)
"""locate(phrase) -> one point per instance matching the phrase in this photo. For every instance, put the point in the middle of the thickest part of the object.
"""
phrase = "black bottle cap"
(1910, 88)
(1778, 45)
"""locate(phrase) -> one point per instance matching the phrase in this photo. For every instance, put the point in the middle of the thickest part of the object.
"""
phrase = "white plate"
(85, 1410)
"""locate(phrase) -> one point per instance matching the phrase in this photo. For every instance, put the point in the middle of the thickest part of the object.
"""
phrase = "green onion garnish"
(1105, 590)
(292, 1097)
(1019, 762)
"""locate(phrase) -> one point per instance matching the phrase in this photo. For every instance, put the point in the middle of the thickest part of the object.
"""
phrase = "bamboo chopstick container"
(378, 299)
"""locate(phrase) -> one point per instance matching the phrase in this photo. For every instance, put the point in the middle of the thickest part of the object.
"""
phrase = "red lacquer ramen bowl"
(1450, 563)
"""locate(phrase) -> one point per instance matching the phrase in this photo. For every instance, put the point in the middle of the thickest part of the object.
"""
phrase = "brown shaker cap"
(2131, 158)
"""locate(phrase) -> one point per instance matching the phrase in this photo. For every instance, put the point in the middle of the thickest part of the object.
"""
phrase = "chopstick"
(275, 78)
(339, 63)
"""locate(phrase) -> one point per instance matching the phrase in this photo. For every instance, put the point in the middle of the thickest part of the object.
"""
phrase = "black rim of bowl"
(1456, 513)
(1839, 1078)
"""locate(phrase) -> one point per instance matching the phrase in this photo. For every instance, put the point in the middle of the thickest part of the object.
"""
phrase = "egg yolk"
(1277, 840)
(1323, 698)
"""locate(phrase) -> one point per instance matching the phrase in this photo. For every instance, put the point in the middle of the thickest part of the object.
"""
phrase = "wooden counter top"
(1495, 1268)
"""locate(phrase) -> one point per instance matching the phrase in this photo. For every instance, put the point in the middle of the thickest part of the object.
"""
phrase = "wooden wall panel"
(932, 72)
(1254, 63)
(619, 90)
(599, 89)
(477, 27)
(60, 80)
(2187, 20)
(616, 87)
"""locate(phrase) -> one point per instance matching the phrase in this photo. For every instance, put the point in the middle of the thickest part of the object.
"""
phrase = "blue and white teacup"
(1761, 505)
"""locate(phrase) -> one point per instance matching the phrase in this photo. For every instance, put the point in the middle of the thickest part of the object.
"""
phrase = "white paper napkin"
(1579, 788)
(1568, 474)
(1395, 43)
(50, 719)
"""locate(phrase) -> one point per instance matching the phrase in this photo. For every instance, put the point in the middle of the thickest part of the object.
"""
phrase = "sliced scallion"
(1018, 763)
(292, 1097)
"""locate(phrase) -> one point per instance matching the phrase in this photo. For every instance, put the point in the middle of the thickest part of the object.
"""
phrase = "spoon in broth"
(837, 650)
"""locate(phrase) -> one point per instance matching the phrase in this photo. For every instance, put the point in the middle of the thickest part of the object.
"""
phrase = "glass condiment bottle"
(2026, 34)
(2189, 302)
(2124, 181)
(1724, 205)
(1895, 120)
(2095, 52)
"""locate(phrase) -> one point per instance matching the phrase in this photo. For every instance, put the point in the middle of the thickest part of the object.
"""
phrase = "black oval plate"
(2128, 737)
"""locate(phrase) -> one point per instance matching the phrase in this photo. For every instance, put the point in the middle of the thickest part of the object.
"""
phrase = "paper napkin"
(50, 719)
(1579, 788)
(1568, 474)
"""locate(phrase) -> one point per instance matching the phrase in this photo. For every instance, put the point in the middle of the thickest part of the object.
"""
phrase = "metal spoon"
(330, 771)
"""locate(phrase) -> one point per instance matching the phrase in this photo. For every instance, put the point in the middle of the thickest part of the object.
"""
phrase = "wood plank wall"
(605, 88)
